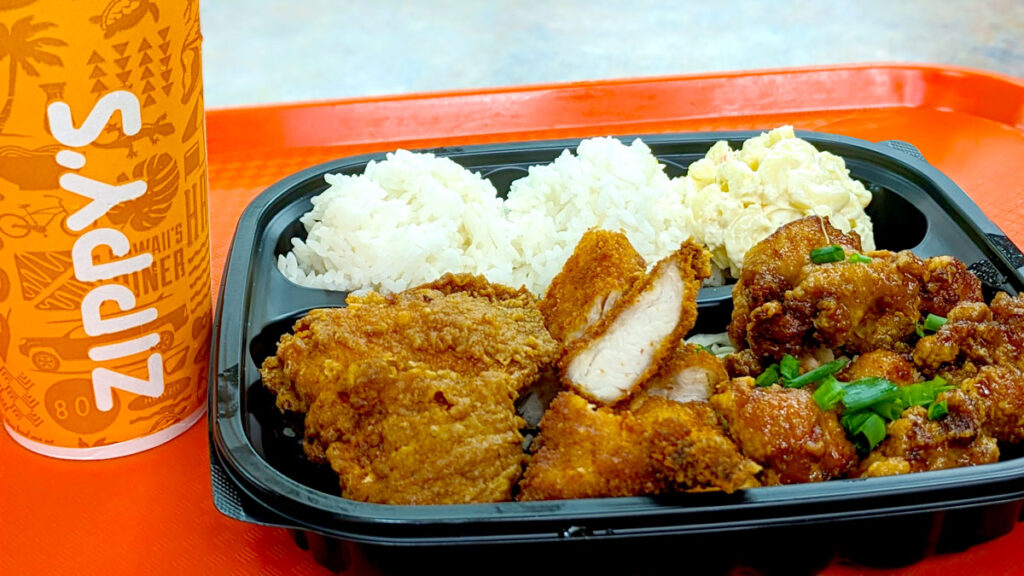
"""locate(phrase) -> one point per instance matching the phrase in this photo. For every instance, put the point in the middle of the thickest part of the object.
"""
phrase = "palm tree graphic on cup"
(22, 46)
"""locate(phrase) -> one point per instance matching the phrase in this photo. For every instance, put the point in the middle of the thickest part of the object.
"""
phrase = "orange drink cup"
(104, 225)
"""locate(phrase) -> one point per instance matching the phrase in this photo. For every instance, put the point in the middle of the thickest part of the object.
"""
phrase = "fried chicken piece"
(478, 286)
(776, 264)
(743, 363)
(586, 451)
(784, 304)
(689, 373)
(784, 430)
(998, 391)
(625, 347)
(602, 268)
(854, 306)
(975, 333)
(946, 283)
(456, 331)
(411, 435)
(691, 448)
(916, 444)
(881, 364)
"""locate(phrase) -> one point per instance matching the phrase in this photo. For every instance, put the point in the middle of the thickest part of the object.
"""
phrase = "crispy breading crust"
(586, 451)
(693, 263)
(455, 331)
(411, 435)
(602, 267)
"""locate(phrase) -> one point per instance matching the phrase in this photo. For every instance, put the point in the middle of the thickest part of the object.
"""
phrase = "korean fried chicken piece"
(784, 430)
(916, 444)
(456, 331)
(625, 347)
(998, 392)
(793, 306)
(586, 451)
(945, 283)
(412, 435)
(881, 364)
(603, 266)
(975, 333)
(775, 265)
(854, 306)
(688, 373)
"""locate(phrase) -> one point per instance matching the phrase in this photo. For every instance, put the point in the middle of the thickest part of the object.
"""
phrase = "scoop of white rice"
(413, 217)
(404, 221)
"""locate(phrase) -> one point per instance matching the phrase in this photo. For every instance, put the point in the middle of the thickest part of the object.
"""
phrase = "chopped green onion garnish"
(825, 254)
(890, 410)
(829, 393)
(919, 329)
(769, 376)
(859, 258)
(933, 322)
(815, 375)
(867, 391)
(873, 429)
(789, 368)
(937, 410)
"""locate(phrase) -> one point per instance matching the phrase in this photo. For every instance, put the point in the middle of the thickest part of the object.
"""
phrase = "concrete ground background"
(262, 51)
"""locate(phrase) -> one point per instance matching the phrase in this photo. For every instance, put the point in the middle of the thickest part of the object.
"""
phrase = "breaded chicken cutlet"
(407, 434)
(602, 267)
(627, 344)
(500, 330)
(586, 451)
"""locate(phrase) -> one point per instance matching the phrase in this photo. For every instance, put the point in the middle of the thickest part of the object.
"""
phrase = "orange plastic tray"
(152, 513)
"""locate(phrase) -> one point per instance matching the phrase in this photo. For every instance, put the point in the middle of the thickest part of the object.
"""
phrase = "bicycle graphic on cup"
(37, 220)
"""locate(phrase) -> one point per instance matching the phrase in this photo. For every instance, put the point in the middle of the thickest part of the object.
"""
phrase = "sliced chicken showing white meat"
(689, 374)
(626, 346)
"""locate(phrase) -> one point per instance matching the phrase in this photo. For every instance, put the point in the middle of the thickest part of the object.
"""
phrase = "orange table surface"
(153, 513)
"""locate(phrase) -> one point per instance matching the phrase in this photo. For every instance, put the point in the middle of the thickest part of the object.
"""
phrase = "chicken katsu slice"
(413, 435)
(587, 451)
(894, 367)
(785, 431)
(603, 266)
(689, 373)
(915, 443)
(976, 333)
(456, 331)
(691, 448)
(775, 265)
(625, 347)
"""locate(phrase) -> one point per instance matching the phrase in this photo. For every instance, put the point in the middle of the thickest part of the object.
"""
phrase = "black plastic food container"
(260, 474)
